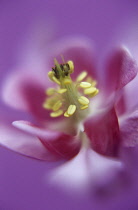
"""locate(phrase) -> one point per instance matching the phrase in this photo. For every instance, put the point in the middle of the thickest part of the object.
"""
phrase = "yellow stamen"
(71, 110)
(57, 113)
(50, 91)
(84, 107)
(81, 76)
(89, 79)
(47, 106)
(67, 81)
(57, 105)
(62, 90)
(56, 80)
(94, 83)
(66, 114)
(85, 84)
(71, 66)
(83, 100)
(69, 93)
(50, 75)
(90, 90)
(49, 103)
(94, 94)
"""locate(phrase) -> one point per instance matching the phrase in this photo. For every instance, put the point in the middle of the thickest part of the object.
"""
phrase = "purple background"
(108, 23)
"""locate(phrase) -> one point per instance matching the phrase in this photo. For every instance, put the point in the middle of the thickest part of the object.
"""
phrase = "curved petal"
(77, 49)
(103, 132)
(120, 70)
(23, 143)
(58, 143)
(128, 102)
(30, 128)
(85, 172)
(120, 105)
(26, 92)
(130, 95)
(129, 130)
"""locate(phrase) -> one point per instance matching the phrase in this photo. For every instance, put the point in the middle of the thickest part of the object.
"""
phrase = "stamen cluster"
(68, 98)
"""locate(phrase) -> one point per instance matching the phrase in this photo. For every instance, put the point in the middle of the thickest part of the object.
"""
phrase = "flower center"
(70, 98)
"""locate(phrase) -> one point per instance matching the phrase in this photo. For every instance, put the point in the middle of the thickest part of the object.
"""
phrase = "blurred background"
(23, 185)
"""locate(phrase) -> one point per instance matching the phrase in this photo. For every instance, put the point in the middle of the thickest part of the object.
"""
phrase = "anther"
(67, 81)
(84, 107)
(81, 76)
(85, 84)
(46, 106)
(56, 80)
(83, 100)
(62, 90)
(71, 66)
(90, 80)
(50, 75)
(94, 94)
(66, 114)
(49, 103)
(56, 114)
(90, 90)
(50, 91)
(71, 110)
(57, 105)
(94, 83)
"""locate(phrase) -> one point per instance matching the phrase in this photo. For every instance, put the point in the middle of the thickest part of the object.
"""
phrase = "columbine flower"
(82, 114)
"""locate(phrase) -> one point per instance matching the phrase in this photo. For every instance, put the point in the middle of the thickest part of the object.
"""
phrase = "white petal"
(85, 171)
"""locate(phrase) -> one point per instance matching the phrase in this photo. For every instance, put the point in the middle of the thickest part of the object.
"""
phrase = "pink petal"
(79, 51)
(120, 105)
(26, 92)
(58, 143)
(130, 95)
(85, 172)
(23, 143)
(35, 130)
(103, 132)
(129, 130)
(128, 101)
(120, 70)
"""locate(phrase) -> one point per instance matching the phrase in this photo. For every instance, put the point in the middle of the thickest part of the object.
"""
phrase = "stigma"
(70, 98)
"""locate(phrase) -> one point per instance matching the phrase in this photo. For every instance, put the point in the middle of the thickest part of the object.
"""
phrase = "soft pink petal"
(120, 104)
(128, 101)
(85, 172)
(35, 130)
(79, 51)
(129, 129)
(103, 132)
(23, 143)
(120, 70)
(130, 95)
(26, 92)
(58, 143)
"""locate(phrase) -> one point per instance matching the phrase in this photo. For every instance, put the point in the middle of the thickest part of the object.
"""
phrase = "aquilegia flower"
(81, 115)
